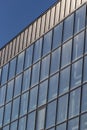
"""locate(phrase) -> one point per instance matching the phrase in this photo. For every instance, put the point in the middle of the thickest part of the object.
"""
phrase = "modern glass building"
(43, 72)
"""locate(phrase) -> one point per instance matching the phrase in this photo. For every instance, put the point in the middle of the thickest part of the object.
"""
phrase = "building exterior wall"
(43, 78)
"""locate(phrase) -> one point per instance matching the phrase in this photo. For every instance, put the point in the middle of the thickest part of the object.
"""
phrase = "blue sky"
(15, 15)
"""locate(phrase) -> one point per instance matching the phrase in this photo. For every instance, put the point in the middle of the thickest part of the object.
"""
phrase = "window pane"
(61, 127)
(73, 124)
(22, 124)
(1, 116)
(6, 127)
(12, 68)
(24, 103)
(18, 81)
(64, 80)
(55, 61)
(84, 98)
(37, 50)
(74, 103)
(66, 55)
(76, 74)
(4, 74)
(10, 90)
(13, 126)
(20, 63)
(7, 113)
(15, 109)
(33, 98)
(85, 68)
(68, 27)
(53, 87)
(80, 19)
(47, 43)
(40, 119)
(28, 56)
(35, 73)
(57, 36)
(42, 93)
(31, 121)
(83, 124)
(78, 46)
(62, 109)
(51, 114)
(45, 67)
(2, 95)
(86, 42)
(0, 73)
(26, 80)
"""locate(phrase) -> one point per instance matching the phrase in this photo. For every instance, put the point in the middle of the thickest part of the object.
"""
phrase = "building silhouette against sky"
(43, 72)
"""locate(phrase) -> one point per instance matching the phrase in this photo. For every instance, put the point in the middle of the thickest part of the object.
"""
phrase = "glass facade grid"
(45, 86)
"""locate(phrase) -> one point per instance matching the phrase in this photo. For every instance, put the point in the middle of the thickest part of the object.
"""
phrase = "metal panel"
(67, 7)
(42, 24)
(34, 31)
(47, 20)
(21, 41)
(6, 52)
(2, 56)
(17, 44)
(10, 50)
(13, 47)
(73, 2)
(29, 35)
(25, 38)
(78, 3)
(38, 28)
(52, 17)
(62, 9)
(57, 13)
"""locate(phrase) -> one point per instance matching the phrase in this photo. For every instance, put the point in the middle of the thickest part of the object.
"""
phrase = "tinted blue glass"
(0, 73)
(6, 127)
(24, 104)
(68, 27)
(2, 95)
(33, 98)
(12, 68)
(26, 80)
(35, 74)
(22, 123)
(1, 115)
(4, 74)
(53, 87)
(78, 46)
(62, 109)
(45, 67)
(61, 127)
(14, 126)
(31, 121)
(66, 53)
(51, 114)
(18, 82)
(20, 63)
(64, 80)
(28, 56)
(74, 103)
(15, 109)
(7, 113)
(37, 50)
(83, 124)
(47, 43)
(84, 98)
(85, 68)
(40, 119)
(80, 19)
(43, 93)
(57, 36)
(9, 90)
(86, 42)
(76, 74)
(55, 61)
(73, 124)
